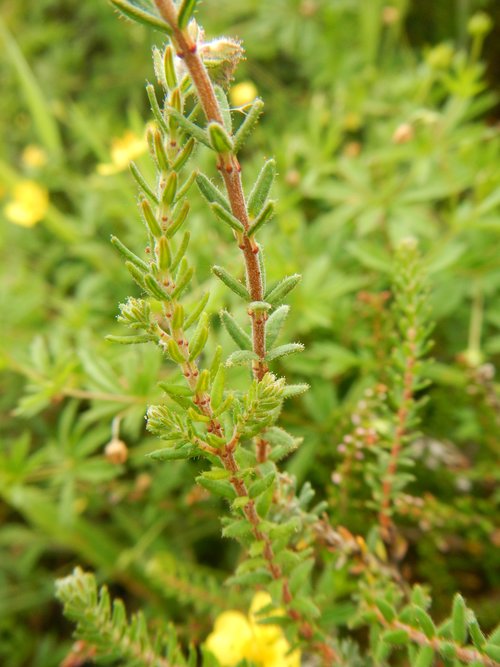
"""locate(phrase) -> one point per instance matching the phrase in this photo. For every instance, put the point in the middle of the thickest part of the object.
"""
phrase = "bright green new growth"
(204, 416)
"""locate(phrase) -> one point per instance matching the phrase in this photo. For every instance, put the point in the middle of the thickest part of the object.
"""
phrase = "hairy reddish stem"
(230, 170)
(186, 49)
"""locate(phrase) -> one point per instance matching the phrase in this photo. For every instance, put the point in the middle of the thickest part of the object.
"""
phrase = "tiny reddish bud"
(116, 451)
(403, 134)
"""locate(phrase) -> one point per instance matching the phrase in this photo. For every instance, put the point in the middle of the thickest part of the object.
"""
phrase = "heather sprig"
(202, 415)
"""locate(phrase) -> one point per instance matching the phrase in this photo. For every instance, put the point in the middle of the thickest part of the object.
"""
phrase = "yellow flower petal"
(243, 94)
(260, 600)
(124, 149)
(235, 637)
(29, 204)
(34, 156)
(107, 169)
(230, 639)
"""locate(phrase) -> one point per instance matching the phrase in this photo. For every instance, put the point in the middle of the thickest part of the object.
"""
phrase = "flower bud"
(403, 134)
(116, 451)
(479, 24)
(440, 56)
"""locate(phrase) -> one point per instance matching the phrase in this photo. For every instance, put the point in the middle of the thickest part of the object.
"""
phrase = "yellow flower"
(243, 94)
(29, 204)
(34, 156)
(237, 637)
(123, 150)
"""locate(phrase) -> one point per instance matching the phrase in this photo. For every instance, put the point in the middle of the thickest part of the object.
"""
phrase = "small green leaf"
(155, 108)
(248, 124)
(259, 306)
(224, 406)
(196, 312)
(178, 218)
(182, 282)
(211, 192)
(240, 502)
(425, 657)
(184, 155)
(128, 254)
(295, 390)
(261, 189)
(203, 382)
(386, 609)
(220, 140)
(192, 129)
(279, 291)
(425, 621)
(275, 324)
(175, 389)
(458, 620)
(492, 651)
(284, 350)
(181, 251)
(261, 485)
(223, 214)
(199, 339)
(250, 579)
(169, 67)
(241, 358)
(264, 216)
(264, 501)
(224, 108)
(216, 473)
(174, 352)
(300, 575)
(159, 151)
(141, 182)
(186, 11)
(130, 340)
(163, 253)
(237, 529)
(240, 337)
(152, 286)
(217, 391)
(197, 416)
(282, 443)
(448, 650)
(231, 282)
(218, 487)
(170, 189)
(138, 14)
(395, 637)
(136, 273)
(477, 636)
(150, 219)
(306, 607)
(186, 451)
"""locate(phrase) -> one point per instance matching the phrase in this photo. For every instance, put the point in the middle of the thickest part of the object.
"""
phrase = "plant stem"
(418, 637)
(230, 169)
(231, 174)
(402, 417)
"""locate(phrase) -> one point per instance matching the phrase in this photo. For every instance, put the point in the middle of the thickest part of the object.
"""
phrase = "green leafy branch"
(104, 625)
(410, 312)
(201, 415)
(458, 640)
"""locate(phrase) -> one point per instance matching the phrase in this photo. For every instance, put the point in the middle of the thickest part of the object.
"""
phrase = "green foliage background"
(338, 83)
